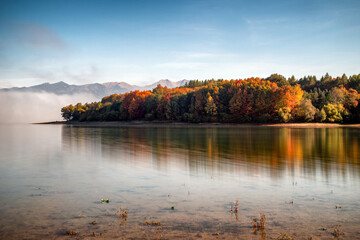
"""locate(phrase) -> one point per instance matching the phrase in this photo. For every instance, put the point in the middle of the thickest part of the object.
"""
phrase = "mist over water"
(29, 107)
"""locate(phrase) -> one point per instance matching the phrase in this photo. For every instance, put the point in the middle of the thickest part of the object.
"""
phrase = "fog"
(27, 107)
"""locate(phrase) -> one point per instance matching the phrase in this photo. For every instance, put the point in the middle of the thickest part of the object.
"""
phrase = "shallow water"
(53, 177)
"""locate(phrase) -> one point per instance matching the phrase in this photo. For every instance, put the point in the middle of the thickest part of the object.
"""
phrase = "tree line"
(273, 99)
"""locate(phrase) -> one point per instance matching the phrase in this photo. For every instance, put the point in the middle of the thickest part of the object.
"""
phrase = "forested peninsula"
(268, 100)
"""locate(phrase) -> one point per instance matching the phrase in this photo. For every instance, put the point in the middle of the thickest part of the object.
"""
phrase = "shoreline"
(200, 125)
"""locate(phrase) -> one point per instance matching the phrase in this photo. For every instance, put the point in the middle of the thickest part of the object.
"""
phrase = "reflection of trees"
(261, 151)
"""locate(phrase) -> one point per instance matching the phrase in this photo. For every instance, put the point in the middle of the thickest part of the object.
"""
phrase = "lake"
(179, 183)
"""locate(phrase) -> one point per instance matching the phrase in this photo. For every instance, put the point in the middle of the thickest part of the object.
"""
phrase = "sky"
(141, 42)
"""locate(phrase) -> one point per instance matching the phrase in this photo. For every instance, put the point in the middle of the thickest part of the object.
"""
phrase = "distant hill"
(99, 90)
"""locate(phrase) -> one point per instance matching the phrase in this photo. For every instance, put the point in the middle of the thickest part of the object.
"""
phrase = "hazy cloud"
(79, 75)
(20, 107)
(36, 35)
(83, 75)
(203, 55)
(180, 65)
(5, 85)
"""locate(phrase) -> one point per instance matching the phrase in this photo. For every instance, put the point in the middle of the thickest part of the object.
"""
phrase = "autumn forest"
(253, 100)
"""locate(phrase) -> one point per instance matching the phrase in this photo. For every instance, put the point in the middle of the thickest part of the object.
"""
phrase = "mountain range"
(99, 90)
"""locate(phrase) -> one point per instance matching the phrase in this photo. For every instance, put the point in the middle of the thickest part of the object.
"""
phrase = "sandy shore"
(201, 125)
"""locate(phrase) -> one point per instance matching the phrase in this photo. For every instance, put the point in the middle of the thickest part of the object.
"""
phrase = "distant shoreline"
(199, 125)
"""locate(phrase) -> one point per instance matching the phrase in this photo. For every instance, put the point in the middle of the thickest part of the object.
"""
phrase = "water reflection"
(51, 173)
(326, 153)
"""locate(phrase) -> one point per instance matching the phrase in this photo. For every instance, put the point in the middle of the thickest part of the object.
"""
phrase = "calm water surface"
(53, 177)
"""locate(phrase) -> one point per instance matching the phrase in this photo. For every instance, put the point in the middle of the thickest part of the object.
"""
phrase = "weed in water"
(259, 225)
(71, 233)
(283, 236)
(255, 225)
(122, 213)
(336, 232)
(235, 210)
(262, 220)
(153, 223)
(156, 224)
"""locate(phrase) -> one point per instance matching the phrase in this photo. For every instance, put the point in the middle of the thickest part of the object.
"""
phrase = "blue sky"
(141, 42)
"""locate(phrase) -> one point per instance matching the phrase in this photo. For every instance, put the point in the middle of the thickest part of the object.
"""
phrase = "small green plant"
(172, 208)
(105, 200)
